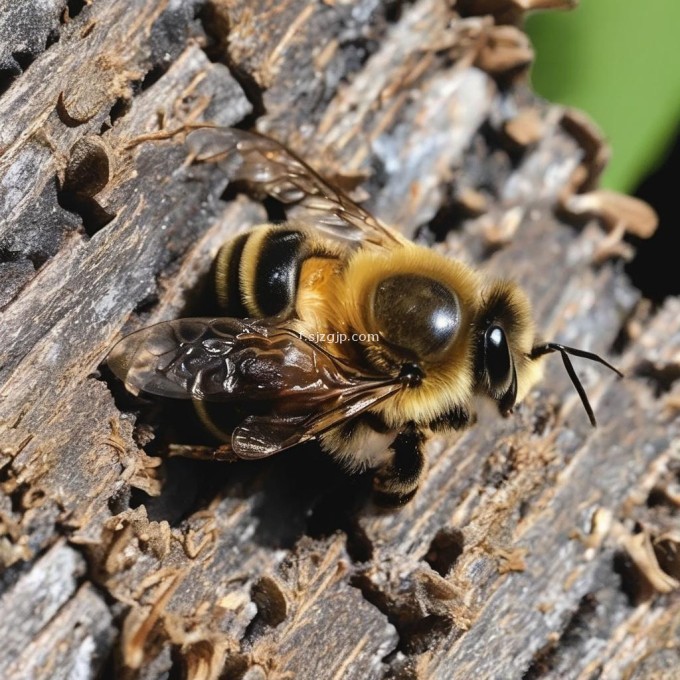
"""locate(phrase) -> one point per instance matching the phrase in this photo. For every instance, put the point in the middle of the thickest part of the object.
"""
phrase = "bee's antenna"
(549, 347)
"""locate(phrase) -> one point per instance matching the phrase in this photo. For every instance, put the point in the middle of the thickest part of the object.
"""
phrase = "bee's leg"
(396, 482)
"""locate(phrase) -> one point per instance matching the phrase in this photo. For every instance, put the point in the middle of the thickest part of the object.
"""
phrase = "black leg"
(396, 482)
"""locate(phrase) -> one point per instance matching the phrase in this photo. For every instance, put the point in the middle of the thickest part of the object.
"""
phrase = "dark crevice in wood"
(447, 219)
(217, 52)
(94, 217)
(7, 255)
(270, 601)
(120, 501)
(189, 486)
(75, 7)
(394, 10)
(253, 94)
(359, 545)
(622, 341)
(15, 496)
(7, 77)
(271, 606)
(87, 173)
(417, 632)
(445, 549)
(632, 584)
(495, 139)
(235, 667)
(179, 669)
(88, 169)
(36, 259)
(656, 498)
(24, 59)
(506, 80)
(323, 523)
(64, 115)
(120, 107)
(357, 52)
(574, 634)
(53, 37)
(146, 304)
(232, 190)
(153, 76)
(123, 400)
(276, 213)
(338, 508)
(666, 553)
(661, 377)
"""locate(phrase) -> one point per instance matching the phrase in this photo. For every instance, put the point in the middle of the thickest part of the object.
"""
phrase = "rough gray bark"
(522, 555)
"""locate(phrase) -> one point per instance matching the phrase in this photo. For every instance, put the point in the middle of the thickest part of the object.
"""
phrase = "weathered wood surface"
(520, 556)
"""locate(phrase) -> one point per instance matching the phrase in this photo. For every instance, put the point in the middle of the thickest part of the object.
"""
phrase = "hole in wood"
(418, 631)
(634, 586)
(119, 109)
(13, 68)
(270, 601)
(87, 172)
(153, 76)
(93, 215)
(75, 7)
(24, 59)
(661, 377)
(53, 37)
(445, 549)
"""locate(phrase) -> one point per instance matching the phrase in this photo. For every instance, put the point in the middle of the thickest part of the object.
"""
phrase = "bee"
(337, 328)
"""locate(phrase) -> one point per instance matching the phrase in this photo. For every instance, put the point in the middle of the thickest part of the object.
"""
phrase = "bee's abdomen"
(256, 273)
(227, 284)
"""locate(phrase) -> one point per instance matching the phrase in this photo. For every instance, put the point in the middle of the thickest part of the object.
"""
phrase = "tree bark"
(536, 546)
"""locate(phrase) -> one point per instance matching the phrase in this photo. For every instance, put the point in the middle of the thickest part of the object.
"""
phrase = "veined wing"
(302, 389)
(274, 169)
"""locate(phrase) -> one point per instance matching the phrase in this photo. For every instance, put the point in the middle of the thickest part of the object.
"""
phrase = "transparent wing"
(261, 436)
(269, 166)
(297, 388)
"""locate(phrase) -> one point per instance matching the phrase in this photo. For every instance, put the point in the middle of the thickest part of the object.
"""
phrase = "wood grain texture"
(514, 559)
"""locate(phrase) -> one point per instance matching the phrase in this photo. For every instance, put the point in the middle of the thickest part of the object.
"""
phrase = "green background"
(618, 60)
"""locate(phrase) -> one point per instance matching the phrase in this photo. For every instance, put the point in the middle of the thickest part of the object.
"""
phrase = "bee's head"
(503, 336)
(506, 364)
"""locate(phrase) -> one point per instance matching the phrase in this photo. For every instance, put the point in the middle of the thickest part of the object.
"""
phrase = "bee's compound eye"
(497, 357)
(416, 313)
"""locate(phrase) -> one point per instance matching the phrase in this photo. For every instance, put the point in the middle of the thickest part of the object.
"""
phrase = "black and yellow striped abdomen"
(257, 274)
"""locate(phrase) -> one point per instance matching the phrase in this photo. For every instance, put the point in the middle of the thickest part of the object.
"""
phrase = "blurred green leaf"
(619, 61)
